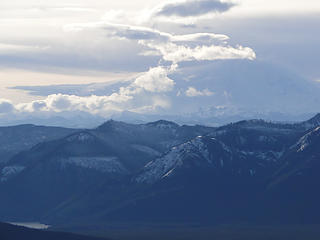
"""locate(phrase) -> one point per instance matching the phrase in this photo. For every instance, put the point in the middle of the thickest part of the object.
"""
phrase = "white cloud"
(131, 32)
(62, 102)
(158, 104)
(6, 106)
(180, 53)
(192, 92)
(122, 31)
(95, 105)
(174, 48)
(114, 26)
(155, 80)
(135, 97)
(150, 90)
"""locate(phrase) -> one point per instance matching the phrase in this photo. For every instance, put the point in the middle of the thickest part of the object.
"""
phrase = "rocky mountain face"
(246, 171)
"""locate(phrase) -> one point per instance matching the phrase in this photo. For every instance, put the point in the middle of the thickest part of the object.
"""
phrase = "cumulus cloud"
(193, 92)
(155, 80)
(191, 8)
(62, 102)
(6, 106)
(96, 105)
(157, 104)
(141, 94)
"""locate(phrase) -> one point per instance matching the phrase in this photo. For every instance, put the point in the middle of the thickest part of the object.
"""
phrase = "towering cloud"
(155, 80)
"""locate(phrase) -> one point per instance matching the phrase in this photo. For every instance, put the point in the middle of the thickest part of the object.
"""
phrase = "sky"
(187, 58)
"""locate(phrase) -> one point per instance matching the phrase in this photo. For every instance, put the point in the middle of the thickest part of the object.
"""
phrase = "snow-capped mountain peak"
(190, 154)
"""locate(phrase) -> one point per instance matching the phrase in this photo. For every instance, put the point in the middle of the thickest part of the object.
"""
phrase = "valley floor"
(221, 232)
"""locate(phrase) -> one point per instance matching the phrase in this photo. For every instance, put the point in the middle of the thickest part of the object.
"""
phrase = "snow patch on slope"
(146, 149)
(10, 171)
(101, 164)
(80, 137)
(305, 141)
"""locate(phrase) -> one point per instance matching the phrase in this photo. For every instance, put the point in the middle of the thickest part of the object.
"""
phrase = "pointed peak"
(110, 124)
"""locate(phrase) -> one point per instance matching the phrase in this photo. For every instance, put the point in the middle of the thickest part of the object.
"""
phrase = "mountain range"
(248, 171)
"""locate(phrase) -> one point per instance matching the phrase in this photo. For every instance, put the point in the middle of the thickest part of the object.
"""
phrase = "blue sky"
(158, 57)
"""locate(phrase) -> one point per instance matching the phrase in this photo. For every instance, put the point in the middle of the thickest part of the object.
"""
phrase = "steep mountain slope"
(17, 138)
(56, 172)
(227, 167)
(295, 186)
(215, 177)
(52, 172)
(249, 146)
